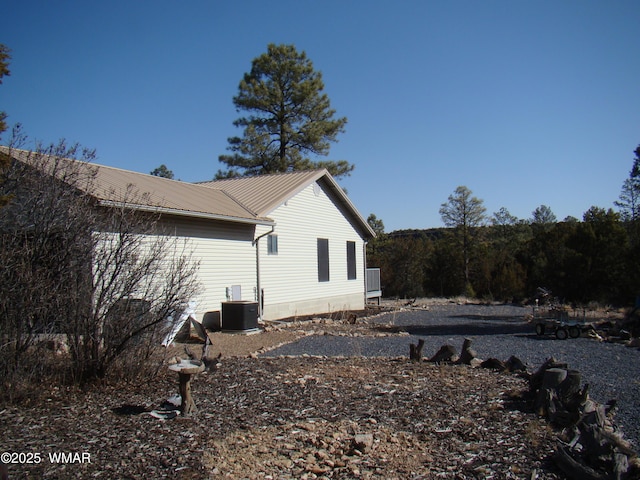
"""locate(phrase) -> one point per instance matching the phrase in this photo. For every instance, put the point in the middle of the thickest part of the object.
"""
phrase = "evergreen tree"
(629, 204)
(508, 236)
(376, 224)
(464, 214)
(4, 159)
(601, 245)
(289, 118)
(543, 216)
(162, 171)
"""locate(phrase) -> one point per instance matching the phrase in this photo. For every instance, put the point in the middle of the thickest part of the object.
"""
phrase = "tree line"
(503, 258)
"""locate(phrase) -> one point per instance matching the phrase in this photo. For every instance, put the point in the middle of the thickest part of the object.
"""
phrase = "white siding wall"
(226, 256)
(290, 278)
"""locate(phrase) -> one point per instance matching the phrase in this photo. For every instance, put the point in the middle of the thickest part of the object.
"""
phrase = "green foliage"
(596, 259)
(464, 214)
(376, 224)
(442, 273)
(598, 243)
(4, 71)
(4, 159)
(580, 261)
(462, 210)
(162, 171)
(543, 216)
(288, 118)
(629, 203)
(402, 272)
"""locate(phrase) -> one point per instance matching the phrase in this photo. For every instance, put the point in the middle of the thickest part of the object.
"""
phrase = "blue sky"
(526, 103)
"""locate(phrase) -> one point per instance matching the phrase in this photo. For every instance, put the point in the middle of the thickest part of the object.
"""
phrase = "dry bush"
(109, 281)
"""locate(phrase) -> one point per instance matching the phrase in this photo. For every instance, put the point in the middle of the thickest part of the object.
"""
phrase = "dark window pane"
(323, 260)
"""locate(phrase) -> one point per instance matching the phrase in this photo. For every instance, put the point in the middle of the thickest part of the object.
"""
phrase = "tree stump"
(468, 354)
(494, 364)
(570, 386)
(514, 364)
(186, 370)
(445, 354)
(415, 351)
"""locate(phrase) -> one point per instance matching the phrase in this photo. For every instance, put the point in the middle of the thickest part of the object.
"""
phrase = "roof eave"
(337, 189)
(184, 213)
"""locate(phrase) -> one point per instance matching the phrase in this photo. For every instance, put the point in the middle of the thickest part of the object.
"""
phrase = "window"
(323, 260)
(272, 244)
(351, 261)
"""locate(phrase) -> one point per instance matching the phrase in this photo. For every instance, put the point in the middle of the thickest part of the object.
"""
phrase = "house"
(312, 260)
(293, 242)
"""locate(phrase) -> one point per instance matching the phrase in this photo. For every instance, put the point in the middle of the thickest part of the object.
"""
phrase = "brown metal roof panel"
(123, 186)
(117, 186)
(262, 194)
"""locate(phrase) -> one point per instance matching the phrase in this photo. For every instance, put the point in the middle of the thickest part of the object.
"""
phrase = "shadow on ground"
(463, 329)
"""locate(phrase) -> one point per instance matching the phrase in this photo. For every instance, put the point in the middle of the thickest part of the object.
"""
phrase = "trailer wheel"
(561, 333)
(574, 332)
(540, 329)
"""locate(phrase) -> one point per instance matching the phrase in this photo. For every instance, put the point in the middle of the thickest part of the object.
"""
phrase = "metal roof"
(263, 193)
(244, 199)
(114, 186)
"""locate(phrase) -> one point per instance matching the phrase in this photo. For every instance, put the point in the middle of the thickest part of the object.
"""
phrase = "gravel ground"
(499, 331)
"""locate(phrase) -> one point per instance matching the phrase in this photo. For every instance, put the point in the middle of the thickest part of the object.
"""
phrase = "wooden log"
(574, 469)
(514, 364)
(415, 351)
(553, 377)
(622, 445)
(620, 465)
(570, 386)
(593, 443)
(596, 417)
(494, 364)
(579, 400)
(445, 354)
(535, 381)
(468, 354)
(562, 417)
(550, 402)
(542, 402)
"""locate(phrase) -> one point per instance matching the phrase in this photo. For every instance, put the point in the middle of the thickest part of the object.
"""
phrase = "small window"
(272, 244)
(351, 261)
(323, 260)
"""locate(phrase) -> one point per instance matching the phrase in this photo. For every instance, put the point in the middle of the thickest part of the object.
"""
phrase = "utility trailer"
(550, 316)
(556, 321)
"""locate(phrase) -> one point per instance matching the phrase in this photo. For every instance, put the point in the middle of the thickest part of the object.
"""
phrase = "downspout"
(258, 287)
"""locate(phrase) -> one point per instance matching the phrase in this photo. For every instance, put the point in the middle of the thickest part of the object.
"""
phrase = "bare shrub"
(107, 282)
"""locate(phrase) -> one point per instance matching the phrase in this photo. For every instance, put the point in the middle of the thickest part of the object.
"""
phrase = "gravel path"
(611, 370)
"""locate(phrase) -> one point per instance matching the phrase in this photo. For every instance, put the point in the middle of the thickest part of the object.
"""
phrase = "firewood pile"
(590, 446)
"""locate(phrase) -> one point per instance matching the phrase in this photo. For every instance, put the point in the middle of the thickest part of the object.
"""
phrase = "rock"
(363, 442)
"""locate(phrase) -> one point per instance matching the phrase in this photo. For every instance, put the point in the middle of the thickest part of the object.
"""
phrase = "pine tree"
(288, 119)
(4, 159)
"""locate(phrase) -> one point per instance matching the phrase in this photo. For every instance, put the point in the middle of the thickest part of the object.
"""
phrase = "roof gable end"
(264, 193)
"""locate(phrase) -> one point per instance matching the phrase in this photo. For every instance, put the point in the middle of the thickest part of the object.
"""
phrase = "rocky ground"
(291, 417)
